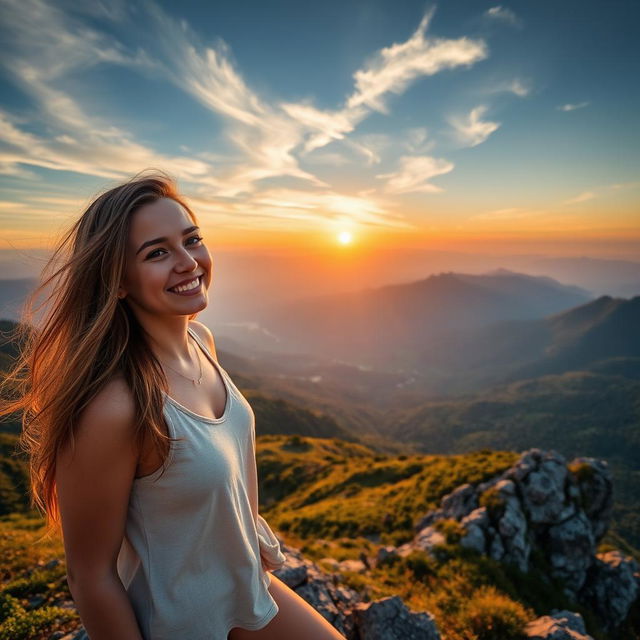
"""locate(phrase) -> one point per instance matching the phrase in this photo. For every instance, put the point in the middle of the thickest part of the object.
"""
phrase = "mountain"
(603, 329)
(384, 326)
(475, 359)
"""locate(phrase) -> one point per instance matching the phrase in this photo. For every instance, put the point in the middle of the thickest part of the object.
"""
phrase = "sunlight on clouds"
(281, 205)
(330, 125)
(572, 107)
(395, 67)
(413, 174)
(391, 70)
(471, 131)
(328, 158)
(270, 139)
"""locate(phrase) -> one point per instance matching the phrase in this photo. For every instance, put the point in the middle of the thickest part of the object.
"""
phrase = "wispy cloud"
(414, 173)
(272, 206)
(389, 71)
(572, 107)
(393, 68)
(48, 44)
(511, 213)
(625, 185)
(517, 86)
(471, 130)
(583, 197)
(503, 15)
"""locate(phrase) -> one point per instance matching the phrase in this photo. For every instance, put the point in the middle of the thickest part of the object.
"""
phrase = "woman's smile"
(190, 288)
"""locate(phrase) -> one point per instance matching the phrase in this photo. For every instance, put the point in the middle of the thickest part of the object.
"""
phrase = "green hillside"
(578, 413)
(339, 500)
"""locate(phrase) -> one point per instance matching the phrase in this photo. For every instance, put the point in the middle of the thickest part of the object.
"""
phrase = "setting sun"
(344, 237)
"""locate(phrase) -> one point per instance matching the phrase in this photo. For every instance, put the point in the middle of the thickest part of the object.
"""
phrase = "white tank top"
(196, 555)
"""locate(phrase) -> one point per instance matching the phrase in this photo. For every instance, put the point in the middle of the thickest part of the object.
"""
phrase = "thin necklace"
(199, 380)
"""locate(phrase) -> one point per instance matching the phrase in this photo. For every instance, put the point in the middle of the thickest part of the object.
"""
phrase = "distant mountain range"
(387, 326)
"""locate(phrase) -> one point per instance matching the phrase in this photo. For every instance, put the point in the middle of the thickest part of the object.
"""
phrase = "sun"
(344, 237)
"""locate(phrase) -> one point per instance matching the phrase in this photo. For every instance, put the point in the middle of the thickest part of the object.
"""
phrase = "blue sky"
(411, 121)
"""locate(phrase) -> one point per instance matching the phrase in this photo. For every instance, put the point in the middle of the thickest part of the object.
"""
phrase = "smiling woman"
(175, 263)
(142, 449)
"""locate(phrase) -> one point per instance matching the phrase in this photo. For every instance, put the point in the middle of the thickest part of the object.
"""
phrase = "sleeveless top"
(196, 555)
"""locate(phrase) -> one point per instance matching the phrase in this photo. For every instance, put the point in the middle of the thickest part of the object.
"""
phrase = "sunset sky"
(458, 125)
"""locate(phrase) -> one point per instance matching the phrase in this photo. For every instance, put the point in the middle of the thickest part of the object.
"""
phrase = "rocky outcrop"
(612, 585)
(349, 612)
(560, 625)
(563, 510)
(388, 618)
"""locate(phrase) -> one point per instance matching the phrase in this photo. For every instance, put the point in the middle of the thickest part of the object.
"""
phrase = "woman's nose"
(185, 262)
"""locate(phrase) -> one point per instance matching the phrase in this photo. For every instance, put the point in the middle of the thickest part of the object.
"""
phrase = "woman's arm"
(93, 484)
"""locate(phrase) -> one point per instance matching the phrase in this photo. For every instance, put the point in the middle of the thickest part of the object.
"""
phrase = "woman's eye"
(155, 251)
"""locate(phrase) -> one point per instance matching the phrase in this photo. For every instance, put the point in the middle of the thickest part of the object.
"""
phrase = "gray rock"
(512, 526)
(572, 620)
(475, 524)
(428, 538)
(543, 492)
(429, 518)
(389, 619)
(595, 491)
(385, 554)
(561, 509)
(514, 536)
(571, 548)
(319, 591)
(613, 585)
(562, 625)
(345, 608)
(352, 565)
(459, 502)
(496, 548)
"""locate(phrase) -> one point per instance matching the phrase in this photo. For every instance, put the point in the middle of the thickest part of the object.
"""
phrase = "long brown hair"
(87, 335)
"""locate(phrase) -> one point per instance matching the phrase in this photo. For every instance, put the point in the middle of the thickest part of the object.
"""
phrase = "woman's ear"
(121, 293)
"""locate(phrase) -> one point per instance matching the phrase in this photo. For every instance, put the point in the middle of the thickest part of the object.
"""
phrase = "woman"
(141, 448)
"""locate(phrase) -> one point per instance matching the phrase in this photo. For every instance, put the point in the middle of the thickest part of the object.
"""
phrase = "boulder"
(561, 625)
(612, 586)
(389, 619)
(571, 549)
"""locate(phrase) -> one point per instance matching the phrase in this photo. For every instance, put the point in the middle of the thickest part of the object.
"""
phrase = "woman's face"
(164, 250)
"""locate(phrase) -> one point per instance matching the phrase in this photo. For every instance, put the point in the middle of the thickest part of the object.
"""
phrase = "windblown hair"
(86, 337)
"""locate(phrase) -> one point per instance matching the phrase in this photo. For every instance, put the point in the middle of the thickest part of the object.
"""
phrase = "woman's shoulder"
(112, 404)
(203, 332)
